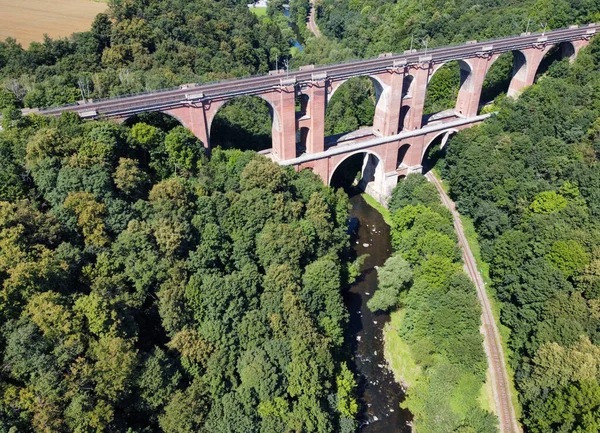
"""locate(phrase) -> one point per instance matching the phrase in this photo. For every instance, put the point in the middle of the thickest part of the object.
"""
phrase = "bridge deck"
(252, 85)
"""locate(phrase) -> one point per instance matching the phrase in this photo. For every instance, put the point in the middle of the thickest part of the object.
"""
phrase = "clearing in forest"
(28, 20)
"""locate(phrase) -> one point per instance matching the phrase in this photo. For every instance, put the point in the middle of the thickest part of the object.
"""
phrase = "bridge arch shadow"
(407, 86)
(445, 84)
(436, 149)
(359, 171)
(158, 119)
(353, 107)
(244, 122)
(560, 52)
(500, 75)
(402, 152)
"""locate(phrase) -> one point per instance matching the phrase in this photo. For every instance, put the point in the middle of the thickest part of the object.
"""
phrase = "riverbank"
(378, 393)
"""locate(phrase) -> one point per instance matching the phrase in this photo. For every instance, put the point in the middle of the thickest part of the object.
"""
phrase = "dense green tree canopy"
(529, 179)
(144, 287)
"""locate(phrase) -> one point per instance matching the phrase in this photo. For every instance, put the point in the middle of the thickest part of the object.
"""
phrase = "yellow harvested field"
(28, 20)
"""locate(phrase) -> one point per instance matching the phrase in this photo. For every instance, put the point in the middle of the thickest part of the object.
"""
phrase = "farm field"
(28, 20)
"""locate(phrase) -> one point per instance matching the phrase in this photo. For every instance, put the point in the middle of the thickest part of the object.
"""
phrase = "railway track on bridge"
(192, 94)
(492, 340)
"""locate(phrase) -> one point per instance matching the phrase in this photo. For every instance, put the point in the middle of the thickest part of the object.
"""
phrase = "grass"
(259, 12)
(486, 395)
(385, 213)
(397, 352)
(28, 20)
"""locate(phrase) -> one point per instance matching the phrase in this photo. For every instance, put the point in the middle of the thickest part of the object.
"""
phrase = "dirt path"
(312, 25)
(491, 335)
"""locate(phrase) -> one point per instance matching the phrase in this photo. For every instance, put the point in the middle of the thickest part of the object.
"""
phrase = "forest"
(530, 180)
(368, 28)
(147, 288)
(441, 313)
(139, 46)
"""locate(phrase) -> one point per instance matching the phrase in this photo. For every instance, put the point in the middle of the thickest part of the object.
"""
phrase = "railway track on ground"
(491, 334)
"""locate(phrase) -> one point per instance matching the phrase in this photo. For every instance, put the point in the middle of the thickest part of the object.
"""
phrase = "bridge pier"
(387, 111)
(193, 117)
(317, 104)
(524, 74)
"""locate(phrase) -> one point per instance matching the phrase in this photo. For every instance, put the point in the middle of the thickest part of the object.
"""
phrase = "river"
(378, 393)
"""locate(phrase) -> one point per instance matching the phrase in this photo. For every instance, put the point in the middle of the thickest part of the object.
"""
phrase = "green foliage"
(441, 314)
(442, 89)
(568, 256)
(393, 276)
(547, 202)
(352, 106)
(183, 149)
(137, 47)
(134, 298)
(412, 190)
(366, 29)
(528, 179)
(346, 384)
(243, 123)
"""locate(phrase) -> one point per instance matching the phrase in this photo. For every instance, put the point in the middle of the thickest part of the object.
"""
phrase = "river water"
(378, 393)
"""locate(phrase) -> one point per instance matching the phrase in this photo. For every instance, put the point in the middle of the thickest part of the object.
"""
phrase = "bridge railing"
(431, 51)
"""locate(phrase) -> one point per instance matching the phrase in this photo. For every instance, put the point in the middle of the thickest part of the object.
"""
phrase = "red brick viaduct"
(400, 136)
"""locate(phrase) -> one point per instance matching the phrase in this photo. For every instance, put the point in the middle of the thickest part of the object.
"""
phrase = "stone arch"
(519, 68)
(372, 171)
(216, 106)
(301, 138)
(428, 162)
(465, 85)
(382, 97)
(302, 104)
(402, 152)
(562, 50)
(465, 67)
(379, 86)
(446, 133)
(156, 118)
(500, 73)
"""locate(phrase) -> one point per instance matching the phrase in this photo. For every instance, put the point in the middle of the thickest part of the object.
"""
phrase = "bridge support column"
(414, 118)
(283, 101)
(387, 112)
(467, 103)
(578, 45)
(193, 117)
(317, 103)
(524, 75)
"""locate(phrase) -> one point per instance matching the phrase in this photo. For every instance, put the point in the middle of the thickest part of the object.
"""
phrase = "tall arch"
(407, 86)
(349, 110)
(404, 111)
(430, 153)
(559, 52)
(377, 84)
(164, 121)
(499, 75)
(229, 125)
(438, 98)
(371, 171)
(402, 152)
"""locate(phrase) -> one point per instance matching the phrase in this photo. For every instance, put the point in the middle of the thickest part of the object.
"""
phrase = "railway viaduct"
(400, 136)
